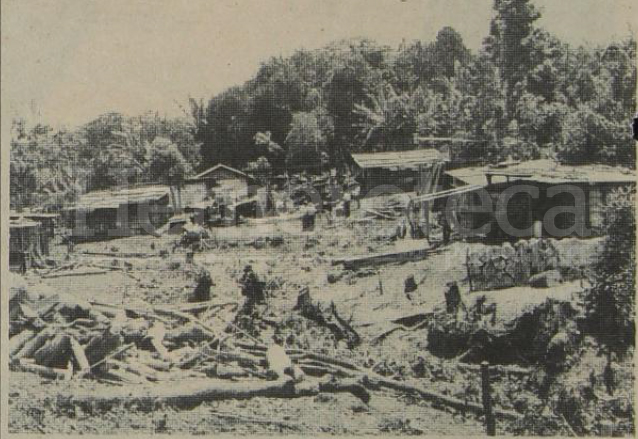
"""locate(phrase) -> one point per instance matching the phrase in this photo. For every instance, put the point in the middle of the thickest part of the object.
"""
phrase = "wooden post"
(469, 271)
(490, 422)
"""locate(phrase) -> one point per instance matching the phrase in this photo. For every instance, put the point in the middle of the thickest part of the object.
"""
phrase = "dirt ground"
(370, 299)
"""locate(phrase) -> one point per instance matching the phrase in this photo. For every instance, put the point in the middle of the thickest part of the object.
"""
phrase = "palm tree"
(390, 121)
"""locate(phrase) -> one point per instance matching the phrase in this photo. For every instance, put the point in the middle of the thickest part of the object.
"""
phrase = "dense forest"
(524, 95)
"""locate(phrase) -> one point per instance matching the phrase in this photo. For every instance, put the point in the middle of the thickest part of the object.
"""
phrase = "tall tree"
(510, 47)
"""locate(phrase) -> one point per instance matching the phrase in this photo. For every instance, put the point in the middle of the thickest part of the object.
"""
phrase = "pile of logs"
(197, 345)
(61, 337)
(511, 265)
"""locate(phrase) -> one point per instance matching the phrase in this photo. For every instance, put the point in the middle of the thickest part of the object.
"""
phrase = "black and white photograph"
(318, 218)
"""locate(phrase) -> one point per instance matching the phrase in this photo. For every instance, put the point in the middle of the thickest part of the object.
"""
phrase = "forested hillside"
(525, 94)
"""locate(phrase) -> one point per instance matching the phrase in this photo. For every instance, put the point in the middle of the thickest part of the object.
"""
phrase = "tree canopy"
(524, 94)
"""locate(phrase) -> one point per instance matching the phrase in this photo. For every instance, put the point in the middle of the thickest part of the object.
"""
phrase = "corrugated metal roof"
(398, 159)
(114, 198)
(544, 171)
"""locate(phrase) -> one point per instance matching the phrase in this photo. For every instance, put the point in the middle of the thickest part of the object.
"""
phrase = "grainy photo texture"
(409, 217)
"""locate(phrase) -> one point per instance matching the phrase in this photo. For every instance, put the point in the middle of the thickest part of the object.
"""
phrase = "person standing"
(251, 289)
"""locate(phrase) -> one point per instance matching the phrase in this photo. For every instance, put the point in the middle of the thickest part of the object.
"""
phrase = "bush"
(609, 302)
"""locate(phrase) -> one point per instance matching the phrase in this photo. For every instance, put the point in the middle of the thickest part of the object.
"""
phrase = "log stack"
(511, 265)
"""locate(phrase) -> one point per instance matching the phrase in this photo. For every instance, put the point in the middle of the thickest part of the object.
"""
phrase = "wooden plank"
(354, 262)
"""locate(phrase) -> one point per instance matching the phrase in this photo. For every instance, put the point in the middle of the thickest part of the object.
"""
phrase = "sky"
(64, 62)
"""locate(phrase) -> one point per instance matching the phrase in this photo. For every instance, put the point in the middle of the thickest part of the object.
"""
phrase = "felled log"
(188, 333)
(123, 375)
(502, 369)
(46, 372)
(101, 346)
(135, 368)
(377, 380)
(79, 355)
(54, 353)
(225, 371)
(201, 306)
(298, 354)
(156, 338)
(192, 393)
(158, 365)
(18, 341)
(245, 360)
(111, 310)
(34, 344)
(186, 317)
(105, 359)
(81, 273)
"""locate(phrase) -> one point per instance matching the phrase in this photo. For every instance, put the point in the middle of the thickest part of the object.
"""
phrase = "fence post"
(490, 422)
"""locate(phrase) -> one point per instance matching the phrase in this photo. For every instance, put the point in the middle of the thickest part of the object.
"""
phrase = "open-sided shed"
(410, 171)
(555, 185)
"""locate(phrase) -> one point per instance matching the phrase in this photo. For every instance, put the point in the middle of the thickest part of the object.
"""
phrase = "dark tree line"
(524, 95)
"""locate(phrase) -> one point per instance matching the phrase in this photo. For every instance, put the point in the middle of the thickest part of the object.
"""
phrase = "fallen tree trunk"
(82, 273)
(80, 356)
(46, 372)
(54, 353)
(192, 393)
(18, 341)
(34, 344)
(372, 381)
(200, 306)
(473, 407)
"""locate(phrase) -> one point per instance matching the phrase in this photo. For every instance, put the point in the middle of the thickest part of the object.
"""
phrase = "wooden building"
(224, 181)
(120, 212)
(410, 171)
(25, 243)
(526, 211)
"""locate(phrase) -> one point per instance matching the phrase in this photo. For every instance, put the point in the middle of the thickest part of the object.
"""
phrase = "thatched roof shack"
(527, 211)
(120, 212)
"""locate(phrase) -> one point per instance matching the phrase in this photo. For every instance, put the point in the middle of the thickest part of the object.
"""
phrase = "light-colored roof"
(396, 160)
(22, 224)
(114, 198)
(544, 171)
(27, 213)
(221, 166)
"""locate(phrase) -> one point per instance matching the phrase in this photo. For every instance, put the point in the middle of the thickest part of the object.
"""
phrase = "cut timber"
(373, 381)
(501, 369)
(54, 353)
(354, 262)
(414, 319)
(135, 368)
(119, 254)
(18, 341)
(73, 273)
(192, 393)
(47, 372)
(101, 346)
(377, 380)
(105, 359)
(80, 356)
(34, 344)
(201, 306)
